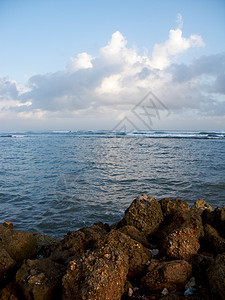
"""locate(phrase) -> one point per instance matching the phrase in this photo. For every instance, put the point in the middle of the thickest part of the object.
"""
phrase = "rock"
(201, 205)
(180, 219)
(170, 275)
(181, 244)
(9, 293)
(200, 264)
(145, 214)
(172, 206)
(135, 234)
(99, 274)
(219, 220)
(77, 243)
(38, 279)
(138, 255)
(213, 241)
(7, 264)
(20, 245)
(45, 243)
(8, 225)
(216, 277)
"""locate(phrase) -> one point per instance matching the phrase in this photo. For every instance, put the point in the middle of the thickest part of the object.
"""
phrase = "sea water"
(53, 182)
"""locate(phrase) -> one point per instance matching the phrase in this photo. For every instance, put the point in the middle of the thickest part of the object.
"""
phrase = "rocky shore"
(159, 250)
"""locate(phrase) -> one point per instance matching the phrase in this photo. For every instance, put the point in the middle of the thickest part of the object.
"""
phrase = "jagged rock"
(201, 205)
(76, 243)
(7, 264)
(213, 240)
(200, 264)
(145, 214)
(138, 255)
(98, 275)
(172, 206)
(171, 275)
(38, 279)
(216, 277)
(181, 244)
(135, 234)
(20, 245)
(45, 242)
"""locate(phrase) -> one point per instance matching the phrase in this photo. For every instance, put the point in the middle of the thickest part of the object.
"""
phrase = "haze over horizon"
(73, 65)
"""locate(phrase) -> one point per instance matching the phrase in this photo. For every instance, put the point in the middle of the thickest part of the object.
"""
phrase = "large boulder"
(7, 265)
(171, 206)
(99, 274)
(39, 279)
(213, 241)
(19, 245)
(77, 243)
(181, 244)
(135, 234)
(171, 275)
(216, 277)
(137, 254)
(145, 214)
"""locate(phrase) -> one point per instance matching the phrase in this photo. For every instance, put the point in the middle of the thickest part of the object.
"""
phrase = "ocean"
(59, 181)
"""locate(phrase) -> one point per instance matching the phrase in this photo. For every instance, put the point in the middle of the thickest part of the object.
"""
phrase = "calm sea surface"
(53, 182)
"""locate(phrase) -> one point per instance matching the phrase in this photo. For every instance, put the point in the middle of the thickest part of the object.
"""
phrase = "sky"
(89, 65)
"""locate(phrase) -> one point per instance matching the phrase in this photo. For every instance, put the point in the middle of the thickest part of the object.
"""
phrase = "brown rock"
(20, 245)
(200, 264)
(216, 277)
(201, 205)
(135, 234)
(213, 240)
(8, 224)
(145, 214)
(172, 206)
(38, 279)
(7, 264)
(171, 275)
(138, 255)
(219, 220)
(9, 293)
(98, 275)
(181, 244)
(76, 243)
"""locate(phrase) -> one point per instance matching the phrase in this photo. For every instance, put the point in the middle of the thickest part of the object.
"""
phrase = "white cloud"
(105, 86)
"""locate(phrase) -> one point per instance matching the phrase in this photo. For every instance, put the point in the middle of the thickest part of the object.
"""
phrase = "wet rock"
(145, 214)
(216, 277)
(98, 275)
(20, 245)
(7, 264)
(135, 234)
(172, 206)
(213, 241)
(171, 275)
(201, 205)
(38, 279)
(76, 243)
(138, 255)
(200, 264)
(181, 244)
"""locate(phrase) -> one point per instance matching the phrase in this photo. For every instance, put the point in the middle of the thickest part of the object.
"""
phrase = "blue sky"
(85, 64)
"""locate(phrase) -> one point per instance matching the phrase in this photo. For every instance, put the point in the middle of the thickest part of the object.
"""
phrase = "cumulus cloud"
(118, 77)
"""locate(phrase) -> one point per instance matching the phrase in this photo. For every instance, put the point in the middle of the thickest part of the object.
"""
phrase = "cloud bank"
(99, 90)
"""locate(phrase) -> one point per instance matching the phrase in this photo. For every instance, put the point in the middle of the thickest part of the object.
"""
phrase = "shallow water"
(53, 182)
